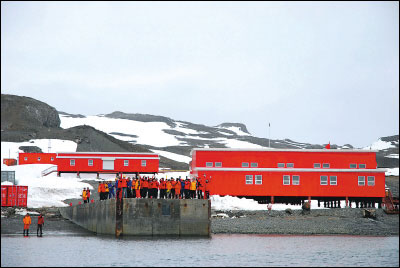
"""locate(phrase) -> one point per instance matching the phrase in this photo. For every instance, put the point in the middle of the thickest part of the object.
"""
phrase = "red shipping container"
(12, 196)
(4, 195)
(22, 196)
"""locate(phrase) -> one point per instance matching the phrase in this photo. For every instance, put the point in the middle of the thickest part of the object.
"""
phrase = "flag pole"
(269, 140)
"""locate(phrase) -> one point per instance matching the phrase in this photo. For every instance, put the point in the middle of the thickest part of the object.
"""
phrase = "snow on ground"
(23, 211)
(392, 156)
(232, 143)
(173, 156)
(149, 133)
(379, 145)
(56, 146)
(227, 203)
(237, 130)
(392, 172)
(7, 183)
(49, 190)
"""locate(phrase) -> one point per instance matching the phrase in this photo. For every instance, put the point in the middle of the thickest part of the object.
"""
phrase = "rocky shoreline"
(344, 221)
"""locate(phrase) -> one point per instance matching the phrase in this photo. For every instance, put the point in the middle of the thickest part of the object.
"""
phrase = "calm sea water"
(219, 250)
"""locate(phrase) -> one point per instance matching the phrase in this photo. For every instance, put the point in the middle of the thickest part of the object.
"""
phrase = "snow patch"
(380, 145)
(392, 172)
(173, 156)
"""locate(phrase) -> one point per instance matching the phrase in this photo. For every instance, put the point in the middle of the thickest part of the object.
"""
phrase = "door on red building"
(108, 163)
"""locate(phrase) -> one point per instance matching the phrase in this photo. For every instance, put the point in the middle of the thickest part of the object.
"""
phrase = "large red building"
(95, 162)
(286, 175)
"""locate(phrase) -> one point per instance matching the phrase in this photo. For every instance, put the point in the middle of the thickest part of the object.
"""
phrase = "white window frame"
(245, 164)
(126, 163)
(144, 163)
(258, 179)
(281, 165)
(254, 164)
(364, 166)
(363, 180)
(294, 182)
(284, 180)
(90, 165)
(218, 164)
(26, 158)
(373, 177)
(353, 164)
(248, 179)
(72, 162)
(330, 180)
(209, 164)
(320, 180)
(319, 165)
(290, 165)
(38, 159)
(329, 165)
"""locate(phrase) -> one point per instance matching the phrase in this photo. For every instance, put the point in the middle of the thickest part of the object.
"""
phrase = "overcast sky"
(317, 72)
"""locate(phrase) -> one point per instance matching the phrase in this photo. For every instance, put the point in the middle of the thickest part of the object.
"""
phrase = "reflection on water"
(220, 250)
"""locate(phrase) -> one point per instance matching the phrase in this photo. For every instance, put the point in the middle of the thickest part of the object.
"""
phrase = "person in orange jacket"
(40, 223)
(177, 189)
(27, 223)
(173, 183)
(163, 187)
(137, 187)
(84, 195)
(193, 189)
(145, 187)
(169, 187)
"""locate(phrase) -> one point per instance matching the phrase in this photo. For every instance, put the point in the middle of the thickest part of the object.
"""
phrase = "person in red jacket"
(156, 188)
(40, 223)
(173, 183)
(87, 195)
(187, 187)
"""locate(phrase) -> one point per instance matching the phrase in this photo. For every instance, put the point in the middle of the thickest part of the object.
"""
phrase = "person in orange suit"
(40, 223)
(27, 223)
(177, 187)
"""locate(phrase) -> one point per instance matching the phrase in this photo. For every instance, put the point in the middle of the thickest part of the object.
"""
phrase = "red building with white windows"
(286, 175)
(95, 162)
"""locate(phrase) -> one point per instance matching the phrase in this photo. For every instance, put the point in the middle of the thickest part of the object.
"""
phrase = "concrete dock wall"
(144, 217)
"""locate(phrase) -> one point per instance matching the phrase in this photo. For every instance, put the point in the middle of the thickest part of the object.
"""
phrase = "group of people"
(86, 195)
(146, 187)
(28, 221)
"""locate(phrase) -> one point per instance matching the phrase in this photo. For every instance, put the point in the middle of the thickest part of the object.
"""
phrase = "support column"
(309, 200)
(77, 175)
(272, 200)
(58, 174)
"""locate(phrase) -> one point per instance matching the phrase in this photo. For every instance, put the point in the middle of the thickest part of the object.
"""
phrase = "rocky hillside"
(24, 118)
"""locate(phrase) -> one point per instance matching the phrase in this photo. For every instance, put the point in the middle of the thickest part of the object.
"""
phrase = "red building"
(289, 176)
(37, 158)
(95, 162)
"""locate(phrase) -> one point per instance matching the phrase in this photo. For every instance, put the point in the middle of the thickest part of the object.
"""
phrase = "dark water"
(219, 250)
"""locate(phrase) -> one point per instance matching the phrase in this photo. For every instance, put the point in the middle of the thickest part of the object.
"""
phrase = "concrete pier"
(144, 217)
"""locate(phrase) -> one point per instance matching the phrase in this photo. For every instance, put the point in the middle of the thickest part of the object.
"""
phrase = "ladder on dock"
(391, 203)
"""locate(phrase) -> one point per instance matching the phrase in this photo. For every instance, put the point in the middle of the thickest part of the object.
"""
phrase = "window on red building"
(249, 179)
(258, 179)
(333, 180)
(371, 181)
(296, 180)
(286, 180)
(324, 180)
(361, 180)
